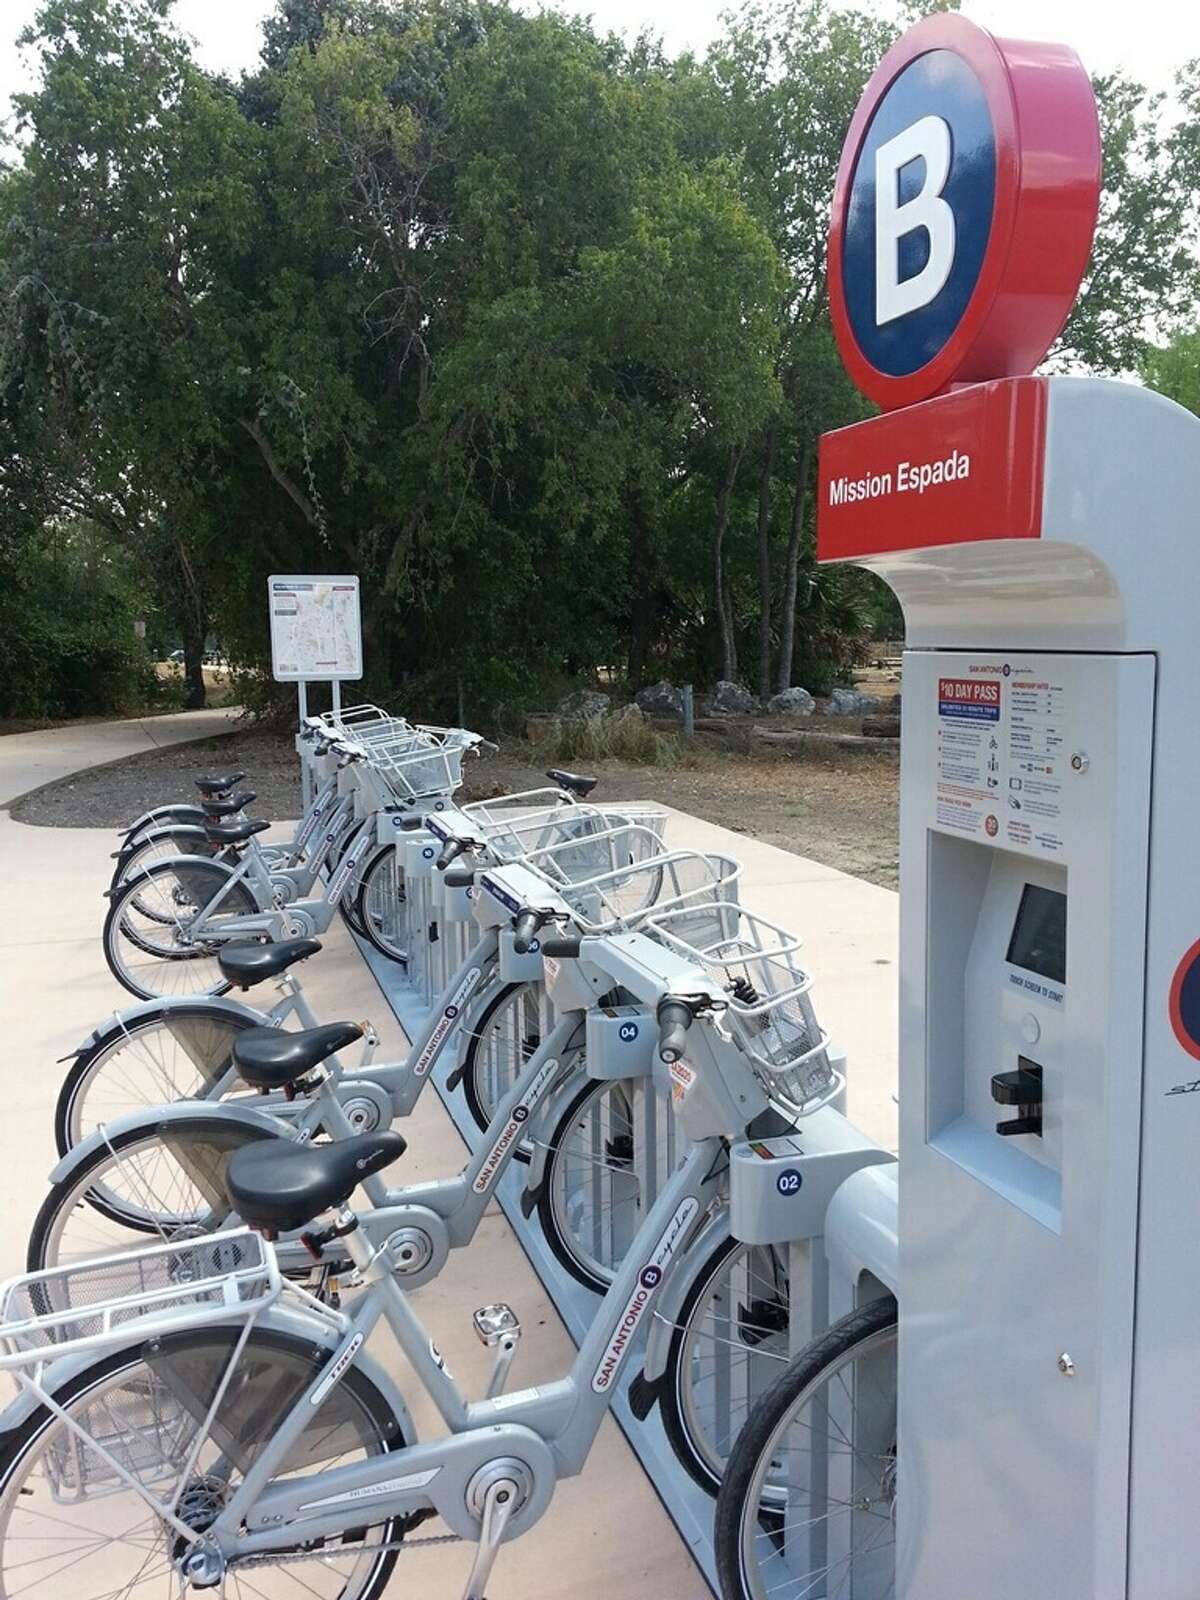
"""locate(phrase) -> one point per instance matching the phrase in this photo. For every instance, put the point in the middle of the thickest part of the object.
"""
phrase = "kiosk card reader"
(1043, 536)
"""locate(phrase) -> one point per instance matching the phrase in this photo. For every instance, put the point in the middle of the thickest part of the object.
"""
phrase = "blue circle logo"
(628, 1032)
(919, 216)
(427, 853)
(520, 1113)
(650, 1277)
(789, 1181)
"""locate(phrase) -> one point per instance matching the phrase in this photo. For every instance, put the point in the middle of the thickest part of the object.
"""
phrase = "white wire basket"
(770, 1014)
(423, 762)
(160, 1289)
(619, 878)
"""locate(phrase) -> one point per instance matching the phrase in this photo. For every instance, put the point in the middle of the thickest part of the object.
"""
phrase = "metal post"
(337, 694)
(305, 770)
(689, 712)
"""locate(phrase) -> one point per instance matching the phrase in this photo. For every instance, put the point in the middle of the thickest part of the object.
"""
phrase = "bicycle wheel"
(381, 904)
(590, 1204)
(808, 1505)
(729, 1345)
(178, 1053)
(152, 1182)
(156, 958)
(503, 1037)
(70, 1523)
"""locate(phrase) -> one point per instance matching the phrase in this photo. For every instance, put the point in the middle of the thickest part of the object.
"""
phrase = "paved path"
(28, 760)
(607, 1533)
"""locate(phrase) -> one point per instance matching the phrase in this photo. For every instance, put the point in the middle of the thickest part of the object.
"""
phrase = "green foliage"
(526, 326)
(1174, 370)
(67, 644)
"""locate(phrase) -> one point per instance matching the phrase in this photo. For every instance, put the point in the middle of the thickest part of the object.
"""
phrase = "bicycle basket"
(581, 842)
(624, 896)
(770, 1014)
(160, 1288)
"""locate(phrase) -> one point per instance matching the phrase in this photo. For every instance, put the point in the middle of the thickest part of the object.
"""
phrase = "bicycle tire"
(587, 1270)
(876, 1321)
(702, 1453)
(476, 1091)
(375, 918)
(205, 879)
(69, 1127)
(212, 1141)
(271, 1363)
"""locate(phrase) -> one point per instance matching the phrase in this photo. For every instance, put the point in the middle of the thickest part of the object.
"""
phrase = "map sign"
(316, 629)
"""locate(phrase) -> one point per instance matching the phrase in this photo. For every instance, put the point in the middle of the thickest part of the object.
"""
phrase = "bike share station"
(1041, 536)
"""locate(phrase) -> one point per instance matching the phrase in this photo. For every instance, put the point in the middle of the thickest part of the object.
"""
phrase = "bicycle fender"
(277, 1318)
(129, 1015)
(178, 1111)
(670, 1307)
(545, 1121)
(164, 861)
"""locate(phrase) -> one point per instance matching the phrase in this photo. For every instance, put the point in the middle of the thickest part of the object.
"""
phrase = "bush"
(620, 736)
(68, 605)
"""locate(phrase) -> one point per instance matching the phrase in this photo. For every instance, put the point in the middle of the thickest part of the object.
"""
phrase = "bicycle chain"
(240, 1563)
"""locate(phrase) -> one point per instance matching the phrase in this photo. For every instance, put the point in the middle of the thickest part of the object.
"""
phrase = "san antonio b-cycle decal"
(512, 1128)
(445, 1024)
(638, 1303)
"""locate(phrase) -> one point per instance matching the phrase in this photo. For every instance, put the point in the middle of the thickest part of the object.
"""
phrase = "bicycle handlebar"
(562, 949)
(525, 931)
(675, 1017)
(451, 850)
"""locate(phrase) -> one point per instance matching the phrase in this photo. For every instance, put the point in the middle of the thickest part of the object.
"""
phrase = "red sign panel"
(963, 212)
(964, 467)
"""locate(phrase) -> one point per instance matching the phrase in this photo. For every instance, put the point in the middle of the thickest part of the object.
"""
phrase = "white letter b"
(930, 139)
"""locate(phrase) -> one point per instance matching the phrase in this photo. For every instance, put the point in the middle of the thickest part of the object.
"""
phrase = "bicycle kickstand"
(499, 1503)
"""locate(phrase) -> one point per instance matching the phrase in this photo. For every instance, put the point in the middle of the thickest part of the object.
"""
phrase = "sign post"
(316, 637)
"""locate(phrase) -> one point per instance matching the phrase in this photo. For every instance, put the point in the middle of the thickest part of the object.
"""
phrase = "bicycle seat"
(235, 832)
(270, 1058)
(214, 784)
(226, 808)
(573, 781)
(247, 964)
(277, 1184)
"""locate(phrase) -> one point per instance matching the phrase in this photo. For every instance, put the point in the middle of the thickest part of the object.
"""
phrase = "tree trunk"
(787, 626)
(720, 597)
(194, 630)
(642, 593)
(764, 566)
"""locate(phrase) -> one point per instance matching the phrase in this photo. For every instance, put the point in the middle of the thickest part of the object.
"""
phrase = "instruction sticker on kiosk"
(1001, 750)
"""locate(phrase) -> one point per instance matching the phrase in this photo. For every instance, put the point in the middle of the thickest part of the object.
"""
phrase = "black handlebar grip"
(464, 878)
(562, 949)
(451, 850)
(411, 824)
(675, 1017)
(525, 931)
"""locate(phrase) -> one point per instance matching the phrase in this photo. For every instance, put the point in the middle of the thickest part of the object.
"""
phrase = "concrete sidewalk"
(606, 1533)
(28, 760)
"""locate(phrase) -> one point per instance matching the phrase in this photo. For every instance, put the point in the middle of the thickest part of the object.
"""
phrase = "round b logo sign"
(964, 210)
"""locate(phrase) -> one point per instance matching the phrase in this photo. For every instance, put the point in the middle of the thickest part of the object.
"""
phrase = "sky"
(1149, 39)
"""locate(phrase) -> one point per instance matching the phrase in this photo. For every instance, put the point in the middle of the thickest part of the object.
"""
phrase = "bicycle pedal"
(496, 1322)
(500, 1330)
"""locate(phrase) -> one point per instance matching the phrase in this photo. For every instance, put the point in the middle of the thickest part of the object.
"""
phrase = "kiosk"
(1043, 536)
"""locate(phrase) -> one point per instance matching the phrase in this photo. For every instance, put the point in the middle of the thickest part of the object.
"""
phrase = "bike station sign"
(964, 210)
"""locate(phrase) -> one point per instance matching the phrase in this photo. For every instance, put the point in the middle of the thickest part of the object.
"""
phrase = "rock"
(849, 703)
(792, 703)
(585, 705)
(730, 700)
(627, 716)
(661, 699)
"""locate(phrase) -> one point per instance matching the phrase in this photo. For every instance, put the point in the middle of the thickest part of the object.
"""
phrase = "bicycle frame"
(549, 1430)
